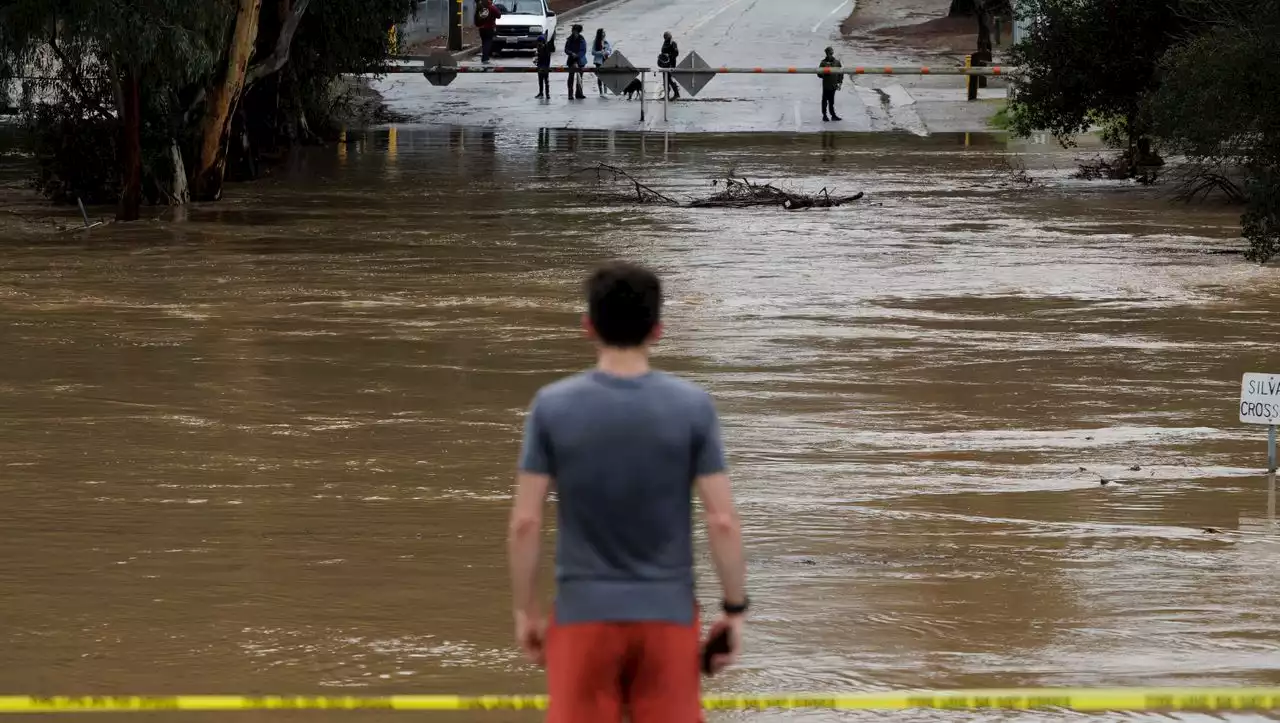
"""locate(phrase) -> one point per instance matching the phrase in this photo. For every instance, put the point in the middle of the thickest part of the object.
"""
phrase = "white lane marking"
(828, 17)
(709, 17)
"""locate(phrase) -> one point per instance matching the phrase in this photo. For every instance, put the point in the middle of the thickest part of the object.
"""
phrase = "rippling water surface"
(269, 449)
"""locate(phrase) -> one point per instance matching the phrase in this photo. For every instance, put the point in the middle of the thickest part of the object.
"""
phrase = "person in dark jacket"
(831, 83)
(667, 59)
(575, 48)
(542, 60)
(487, 14)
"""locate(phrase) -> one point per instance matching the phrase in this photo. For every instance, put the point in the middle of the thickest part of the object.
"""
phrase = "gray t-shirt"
(623, 454)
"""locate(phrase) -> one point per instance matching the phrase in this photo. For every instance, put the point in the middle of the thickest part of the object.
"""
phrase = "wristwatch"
(735, 609)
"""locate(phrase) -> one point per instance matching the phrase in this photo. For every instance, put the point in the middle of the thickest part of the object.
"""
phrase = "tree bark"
(181, 193)
(130, 148)
(280, 56)
(962, 8)
(221, 101)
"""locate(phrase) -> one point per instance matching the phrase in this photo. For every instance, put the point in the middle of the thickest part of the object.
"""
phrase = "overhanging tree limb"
(73, 75)
(280, 56)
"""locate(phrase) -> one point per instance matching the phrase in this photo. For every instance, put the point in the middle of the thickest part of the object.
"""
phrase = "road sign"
(693, 82)
(441, 68)
(617, 72)
(1260, 399)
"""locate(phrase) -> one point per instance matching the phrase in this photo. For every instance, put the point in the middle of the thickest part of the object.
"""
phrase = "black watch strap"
(735, 609)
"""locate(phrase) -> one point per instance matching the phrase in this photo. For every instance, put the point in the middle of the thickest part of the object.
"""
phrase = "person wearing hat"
(667, 58)
(542, 59)
(831, 82)
(487, 15)
(575, 48)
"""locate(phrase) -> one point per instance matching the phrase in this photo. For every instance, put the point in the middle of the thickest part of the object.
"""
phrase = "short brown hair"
(624, 303)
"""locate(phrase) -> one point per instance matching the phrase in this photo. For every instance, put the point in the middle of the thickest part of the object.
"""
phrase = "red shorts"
(648, 672)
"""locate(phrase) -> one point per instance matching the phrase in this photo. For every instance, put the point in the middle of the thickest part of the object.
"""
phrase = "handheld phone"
(717, 645)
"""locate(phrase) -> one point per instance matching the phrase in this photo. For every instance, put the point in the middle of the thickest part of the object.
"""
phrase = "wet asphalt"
(746, 33)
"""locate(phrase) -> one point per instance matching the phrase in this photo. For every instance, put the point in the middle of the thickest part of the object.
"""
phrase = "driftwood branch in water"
(737, 193)
(745, 194)
(644, 194)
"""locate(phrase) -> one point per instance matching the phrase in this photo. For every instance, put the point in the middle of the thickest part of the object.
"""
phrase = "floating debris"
(733, 193)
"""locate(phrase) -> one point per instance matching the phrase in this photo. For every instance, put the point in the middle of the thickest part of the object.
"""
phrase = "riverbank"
(918, 28)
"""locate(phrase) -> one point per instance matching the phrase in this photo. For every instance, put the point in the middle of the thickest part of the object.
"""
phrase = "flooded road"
(270, 449)
(722, 33)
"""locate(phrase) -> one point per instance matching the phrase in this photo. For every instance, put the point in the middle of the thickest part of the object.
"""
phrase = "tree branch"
(72, 72)
(280, 56)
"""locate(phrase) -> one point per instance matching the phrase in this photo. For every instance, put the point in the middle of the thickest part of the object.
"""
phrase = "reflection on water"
(269, 449)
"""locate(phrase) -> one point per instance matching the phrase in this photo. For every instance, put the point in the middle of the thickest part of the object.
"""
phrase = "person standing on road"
(624, 447)
(601, 49)
(575, 48)
(542, 60)
(831, 82)
(487, 15)
(667, 59)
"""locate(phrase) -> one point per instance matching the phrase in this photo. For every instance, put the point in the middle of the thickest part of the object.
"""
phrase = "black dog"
(633, 88)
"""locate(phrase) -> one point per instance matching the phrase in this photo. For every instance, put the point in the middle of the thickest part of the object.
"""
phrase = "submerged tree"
(1085, 62)
(1218, 104)
(112, 66)
(147, 83)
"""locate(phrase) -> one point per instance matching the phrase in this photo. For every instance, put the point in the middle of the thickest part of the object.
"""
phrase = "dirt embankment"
(914, 27)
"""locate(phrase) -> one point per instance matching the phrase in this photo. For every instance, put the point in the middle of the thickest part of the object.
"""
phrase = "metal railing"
(443, 69)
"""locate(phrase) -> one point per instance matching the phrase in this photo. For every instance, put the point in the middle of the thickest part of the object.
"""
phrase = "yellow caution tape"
(1077, 699)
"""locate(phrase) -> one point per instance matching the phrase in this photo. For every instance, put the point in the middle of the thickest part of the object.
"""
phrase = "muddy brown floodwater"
(269, 450)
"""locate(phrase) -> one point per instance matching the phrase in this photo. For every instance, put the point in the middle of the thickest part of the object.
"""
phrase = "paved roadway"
(723, 32)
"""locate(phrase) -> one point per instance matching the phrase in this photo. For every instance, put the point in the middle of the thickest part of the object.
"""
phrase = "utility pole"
(455, 25)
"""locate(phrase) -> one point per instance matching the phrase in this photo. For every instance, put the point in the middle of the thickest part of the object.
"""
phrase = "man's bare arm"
(524, 539)
(724, 529)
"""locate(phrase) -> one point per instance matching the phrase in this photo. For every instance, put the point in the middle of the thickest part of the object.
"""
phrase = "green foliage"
(172, 41)
(79, 50)
(1219, 105)
(1006, 118)
(1088, 59)
(175, 48)
(338, 37)
(1261, 221)
(1001, 121)
(1199, 77)
(346, 36)
(1219, 102)
(75, 154)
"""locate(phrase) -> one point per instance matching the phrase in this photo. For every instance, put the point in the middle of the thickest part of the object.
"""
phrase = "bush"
(1261, 220)
(75, 155)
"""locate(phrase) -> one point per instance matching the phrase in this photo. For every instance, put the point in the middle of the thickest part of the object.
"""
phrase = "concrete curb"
(466, 53)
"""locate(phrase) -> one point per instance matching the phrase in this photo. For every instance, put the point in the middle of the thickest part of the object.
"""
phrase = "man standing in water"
(625, 448)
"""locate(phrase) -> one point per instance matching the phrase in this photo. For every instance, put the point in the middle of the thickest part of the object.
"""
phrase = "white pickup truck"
(522, 22)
